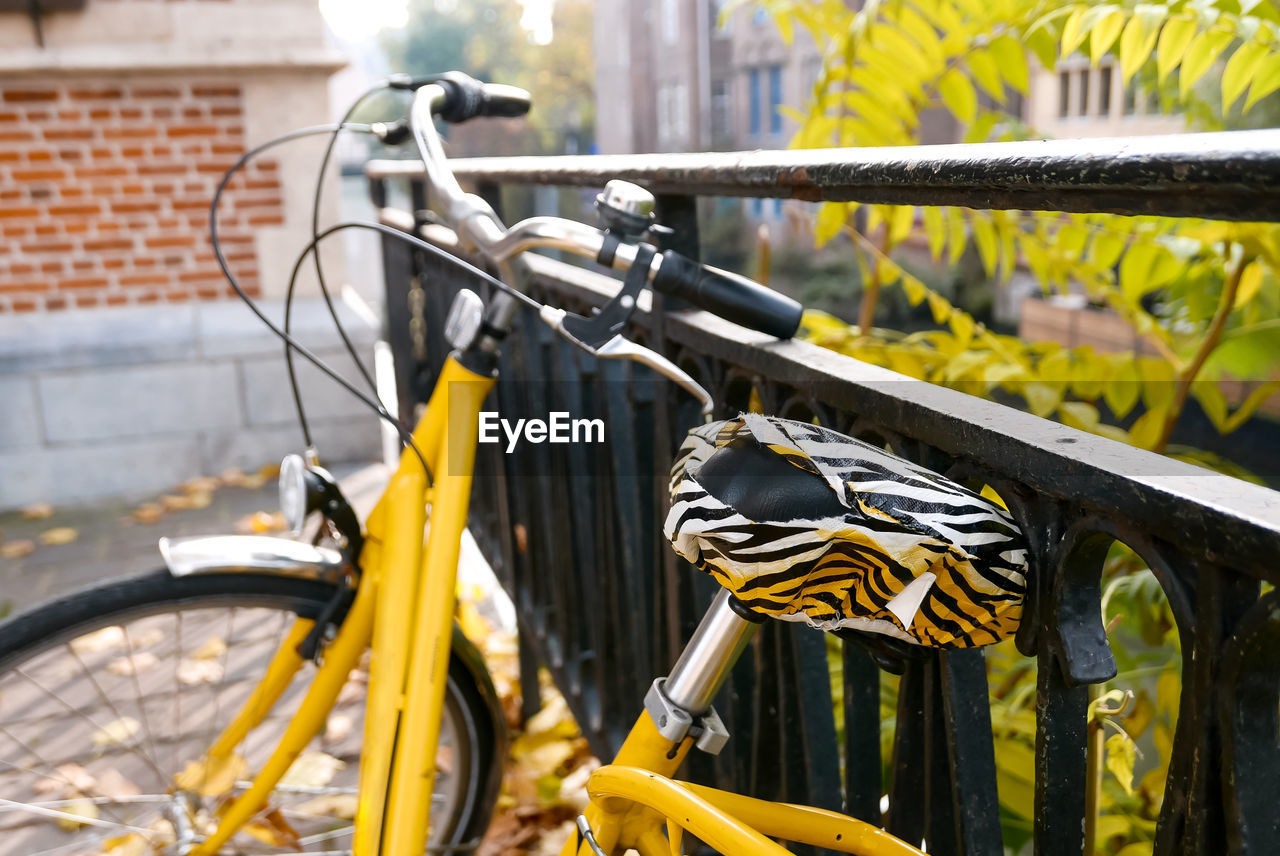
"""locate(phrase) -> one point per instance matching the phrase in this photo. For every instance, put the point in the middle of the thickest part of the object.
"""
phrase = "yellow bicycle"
(274, 695)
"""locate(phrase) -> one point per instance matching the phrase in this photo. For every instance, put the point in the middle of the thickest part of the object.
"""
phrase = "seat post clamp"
(675, 723)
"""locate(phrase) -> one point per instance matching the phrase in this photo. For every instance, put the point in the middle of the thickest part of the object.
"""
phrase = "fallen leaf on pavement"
(37, 511)
(60, 535)
(117, 732)
(260, 522)
(269, 471)
(337, 728)
(17, 549)
(80, 808)
(312, 770)
(132, 665)
(339, 806)
(212, 649)
(148, 512)
(204, 484)
(271, 828)
(112, 783)
(212, 777)
(99, 640)
(199, 671)
(70, 778)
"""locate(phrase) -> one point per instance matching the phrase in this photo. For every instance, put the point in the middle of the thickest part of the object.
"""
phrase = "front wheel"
(108, 693)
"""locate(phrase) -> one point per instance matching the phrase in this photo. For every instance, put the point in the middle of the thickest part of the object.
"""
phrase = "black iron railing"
(574, 531)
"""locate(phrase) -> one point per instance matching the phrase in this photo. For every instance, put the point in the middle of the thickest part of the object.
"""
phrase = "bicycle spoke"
(142, 709)
(74, 818)
(51, 768)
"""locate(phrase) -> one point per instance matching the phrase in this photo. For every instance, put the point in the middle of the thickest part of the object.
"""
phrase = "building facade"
(126, 363)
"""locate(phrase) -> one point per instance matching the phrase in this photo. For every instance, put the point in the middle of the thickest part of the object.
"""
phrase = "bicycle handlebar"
(734, 298)
(457, 97)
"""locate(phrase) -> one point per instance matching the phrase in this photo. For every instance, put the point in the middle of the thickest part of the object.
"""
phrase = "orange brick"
(111, 92)
(38, 174)
(77, 282)
(84, 301)
(135, 207)
(13, 212)
(117, 299)
(48, 247)
(102, 244)
(130, 133)
(16, 136)
(30, 305)
(138, 279)
(100, 171)
(30, 286)
(54, 303)
(266, 220)
(192, 130)
(73, 210)
(156, 92)
(59, 134)
(170, 241)
(9, 157)
(28, 95)
(216, 91)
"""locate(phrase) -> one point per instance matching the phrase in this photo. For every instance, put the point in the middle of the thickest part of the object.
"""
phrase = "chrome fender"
(261, 554)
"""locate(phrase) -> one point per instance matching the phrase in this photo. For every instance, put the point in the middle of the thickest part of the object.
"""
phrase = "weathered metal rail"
(574, 530)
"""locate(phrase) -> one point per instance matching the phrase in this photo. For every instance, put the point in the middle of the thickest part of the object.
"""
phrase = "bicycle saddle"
(806, 524)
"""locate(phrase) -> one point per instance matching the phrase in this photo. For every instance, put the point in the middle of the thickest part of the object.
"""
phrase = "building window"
(753, 102)
(1064, 95)
(775, 99)
(1082, 101)
(1104, 91)
(721, 106)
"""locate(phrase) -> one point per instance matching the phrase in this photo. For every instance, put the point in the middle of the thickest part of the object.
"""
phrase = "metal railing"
(574, 531)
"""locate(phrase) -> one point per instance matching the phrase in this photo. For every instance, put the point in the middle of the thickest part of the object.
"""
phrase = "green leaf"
(1241, 70)
(831, 218)
(958, 94)
(1121, 756)
(1212, 401)
(1250, 283)
(1250, 405)
(1078, 414)
(1011, 57)
(1042, 43)
(1122, 390)
(1174, 38)
(1104, 34)
(1266, 81)
(987, 73)
(1200, 55)
(936, 229)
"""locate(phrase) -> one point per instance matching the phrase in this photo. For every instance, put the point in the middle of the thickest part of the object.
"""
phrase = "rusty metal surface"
(1233, 175)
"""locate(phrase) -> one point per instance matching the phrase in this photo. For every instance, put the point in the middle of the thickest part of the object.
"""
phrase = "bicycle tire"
(50, 690)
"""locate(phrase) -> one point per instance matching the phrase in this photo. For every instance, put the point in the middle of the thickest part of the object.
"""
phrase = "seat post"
(707, 660)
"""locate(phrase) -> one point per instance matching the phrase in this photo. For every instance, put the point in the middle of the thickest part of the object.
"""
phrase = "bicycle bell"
(625, 210)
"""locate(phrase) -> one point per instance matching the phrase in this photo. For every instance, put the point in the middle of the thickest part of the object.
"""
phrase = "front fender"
(259, 554)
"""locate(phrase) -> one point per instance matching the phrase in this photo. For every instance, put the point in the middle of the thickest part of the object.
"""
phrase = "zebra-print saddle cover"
(915, 556)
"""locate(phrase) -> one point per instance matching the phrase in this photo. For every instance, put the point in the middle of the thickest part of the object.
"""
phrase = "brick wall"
(105, 191)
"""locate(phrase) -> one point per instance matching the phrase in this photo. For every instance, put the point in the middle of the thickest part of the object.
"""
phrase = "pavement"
(111, 542)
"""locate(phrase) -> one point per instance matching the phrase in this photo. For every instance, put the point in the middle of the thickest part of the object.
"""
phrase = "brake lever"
(621, 348)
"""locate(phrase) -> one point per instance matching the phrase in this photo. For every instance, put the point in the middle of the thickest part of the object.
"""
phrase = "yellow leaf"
(1011, 57)
(1041, 397)
(1120, 760)
(212, 777)
(1266, 81)
(955, 235)
(958, 94)
(939, 306)
(901, 219)
(1073, 31)
(1250, 282)
(1148, 427)
(1135, 269)
(962, 325)
(1137, 41)
(1212, 401)
(1200, 55)
(831, 218)
(984, 235)
(1158, 382)
(116, 732)
(1241, 70)
(1106, 249)
(1104, 34)
(986, 73)
(936, 230)
(915, 290)
(340, 806)
(1177, 34)
(1251, 404)
(1122, 391)
(1015, 765)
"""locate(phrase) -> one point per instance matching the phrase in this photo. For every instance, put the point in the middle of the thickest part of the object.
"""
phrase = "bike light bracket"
(675, 723)
(596, 331)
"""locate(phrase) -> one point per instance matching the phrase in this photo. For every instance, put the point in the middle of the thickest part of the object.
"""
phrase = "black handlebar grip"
(734, 298)
(466, 98)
